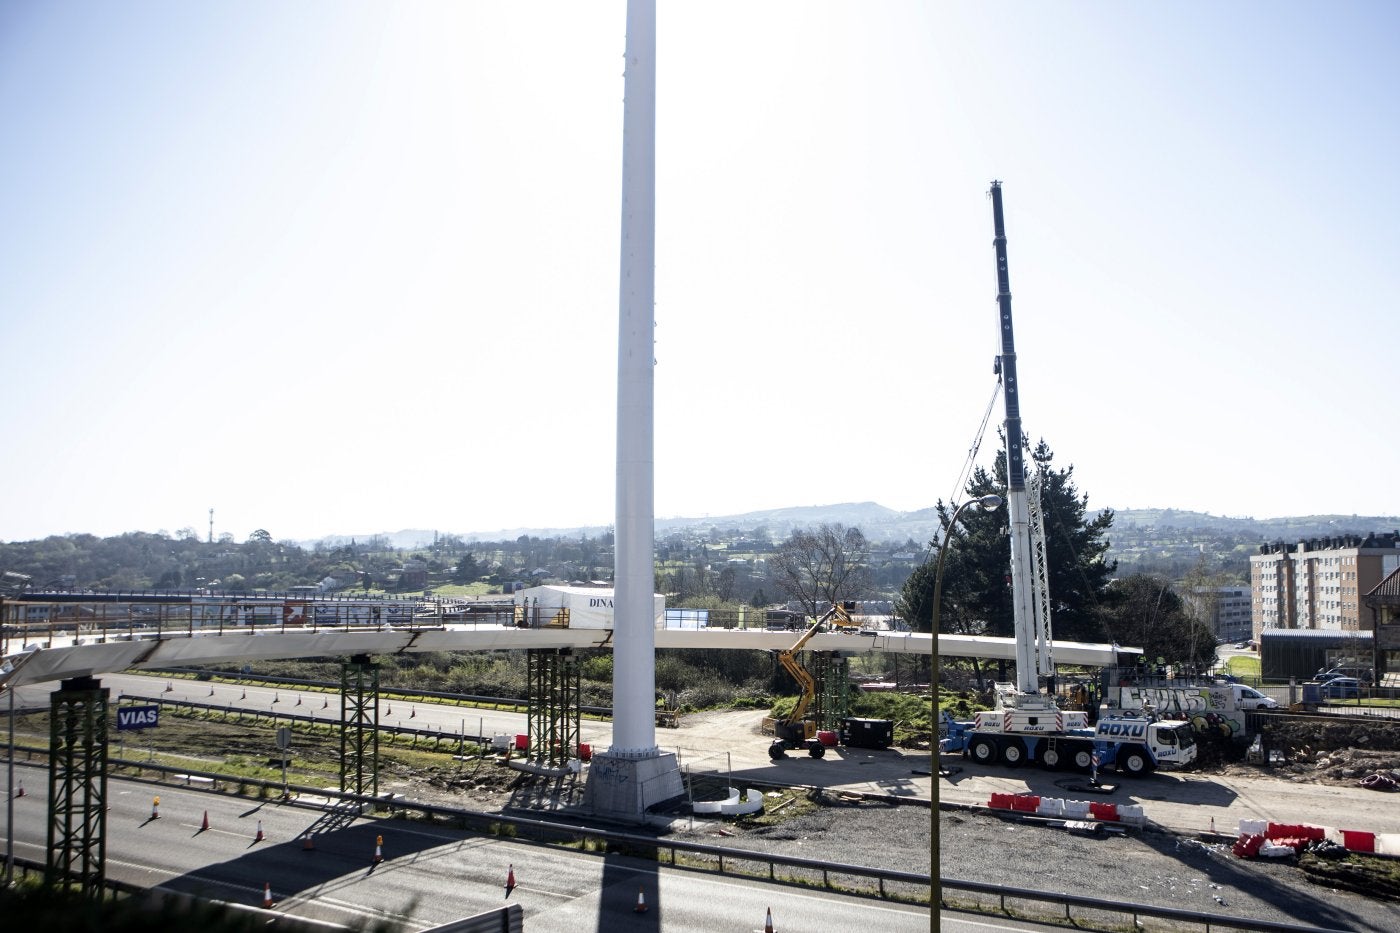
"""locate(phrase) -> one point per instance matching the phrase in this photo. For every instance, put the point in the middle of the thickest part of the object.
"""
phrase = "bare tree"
(828, 564)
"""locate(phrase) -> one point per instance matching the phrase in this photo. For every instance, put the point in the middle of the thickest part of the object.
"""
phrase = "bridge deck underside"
(63, 655)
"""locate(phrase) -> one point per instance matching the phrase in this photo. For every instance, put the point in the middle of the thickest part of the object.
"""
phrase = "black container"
(867, 733)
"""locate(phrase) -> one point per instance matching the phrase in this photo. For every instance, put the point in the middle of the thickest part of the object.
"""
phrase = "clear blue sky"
(335, 268)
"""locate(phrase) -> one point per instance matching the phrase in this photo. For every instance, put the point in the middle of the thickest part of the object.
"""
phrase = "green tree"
(977, 569)
(467, 569)
(1144, 611)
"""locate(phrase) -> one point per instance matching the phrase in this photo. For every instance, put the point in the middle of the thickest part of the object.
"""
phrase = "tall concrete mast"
(634, 774)
(634, 678)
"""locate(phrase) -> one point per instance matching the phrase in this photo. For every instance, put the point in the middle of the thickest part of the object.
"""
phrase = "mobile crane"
(1028, 724)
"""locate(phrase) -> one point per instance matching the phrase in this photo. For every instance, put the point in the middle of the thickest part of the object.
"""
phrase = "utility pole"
(211, 526)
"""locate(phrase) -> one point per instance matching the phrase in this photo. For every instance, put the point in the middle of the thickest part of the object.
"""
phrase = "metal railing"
(256, 715)
(1068, 902)
(406, 694)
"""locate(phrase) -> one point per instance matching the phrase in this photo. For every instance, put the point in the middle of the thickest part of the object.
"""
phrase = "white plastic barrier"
(1253, 827)
(1132, 814)
(716, 806)
(1076, 809)
(1051, 806)
(752, 803)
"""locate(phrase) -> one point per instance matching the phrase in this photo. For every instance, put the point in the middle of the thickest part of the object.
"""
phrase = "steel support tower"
(554, 690)
(359, 726)
(833, 700)
(78, 786)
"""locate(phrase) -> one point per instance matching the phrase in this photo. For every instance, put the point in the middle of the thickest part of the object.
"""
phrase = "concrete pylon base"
(624, 789)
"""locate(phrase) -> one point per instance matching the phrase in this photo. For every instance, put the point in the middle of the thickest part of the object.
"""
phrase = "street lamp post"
(987, 503)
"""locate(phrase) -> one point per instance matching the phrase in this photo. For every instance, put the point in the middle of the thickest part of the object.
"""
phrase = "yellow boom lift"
(797, 730)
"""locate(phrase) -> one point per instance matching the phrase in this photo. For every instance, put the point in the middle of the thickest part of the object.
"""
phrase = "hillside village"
(719, 556)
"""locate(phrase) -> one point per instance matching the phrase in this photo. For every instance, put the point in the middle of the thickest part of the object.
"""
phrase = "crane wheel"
(983, 751)
(816, 751)
(777, 751)
(1135, 762)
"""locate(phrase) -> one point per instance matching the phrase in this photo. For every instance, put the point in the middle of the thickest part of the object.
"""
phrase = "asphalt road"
(729, 743)
(429, 876)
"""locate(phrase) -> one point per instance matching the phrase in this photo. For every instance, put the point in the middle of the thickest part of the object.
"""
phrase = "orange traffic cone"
(510, 879)
(245, 694)
(20, 792)
(211, 691)
(169, 687)
(155, 808)
(298, 699)
(306, 844)
(276, 698)
(641, 907)
(204, 826)
(259, 836)
(267, 895)
(768, 922)
(378, 849)
(325, 703)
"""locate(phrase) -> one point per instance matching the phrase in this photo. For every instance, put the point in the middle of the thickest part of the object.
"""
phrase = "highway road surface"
(429, 875)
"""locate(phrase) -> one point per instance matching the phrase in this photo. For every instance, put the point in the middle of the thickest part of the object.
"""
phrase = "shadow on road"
(630, 898)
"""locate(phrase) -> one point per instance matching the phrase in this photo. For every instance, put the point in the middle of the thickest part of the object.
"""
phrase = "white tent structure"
(582, 607)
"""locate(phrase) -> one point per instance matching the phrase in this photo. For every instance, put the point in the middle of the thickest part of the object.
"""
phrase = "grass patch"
(1244, 667)
(463, 589)
(1362, 874)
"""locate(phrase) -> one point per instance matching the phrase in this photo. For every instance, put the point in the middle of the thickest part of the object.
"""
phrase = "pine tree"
(977, 569)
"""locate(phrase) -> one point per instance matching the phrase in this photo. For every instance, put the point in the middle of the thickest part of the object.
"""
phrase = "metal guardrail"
(1135, 911)
(397, 693)
(502, 920)
(310, 718)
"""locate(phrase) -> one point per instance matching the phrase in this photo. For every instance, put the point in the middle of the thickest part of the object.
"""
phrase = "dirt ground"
(1342, 752)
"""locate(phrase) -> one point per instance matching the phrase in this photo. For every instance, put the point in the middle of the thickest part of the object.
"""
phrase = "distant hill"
(1267, 529)
(881, 525)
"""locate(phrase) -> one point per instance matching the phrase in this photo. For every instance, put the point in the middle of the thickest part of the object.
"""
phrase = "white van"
(1247, 698)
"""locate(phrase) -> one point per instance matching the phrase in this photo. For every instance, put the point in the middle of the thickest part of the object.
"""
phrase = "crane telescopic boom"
(1032, 631)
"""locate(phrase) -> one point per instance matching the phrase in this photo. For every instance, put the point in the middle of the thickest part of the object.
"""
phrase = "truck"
(1133, 744)
(1217, 709)
(1027, 725)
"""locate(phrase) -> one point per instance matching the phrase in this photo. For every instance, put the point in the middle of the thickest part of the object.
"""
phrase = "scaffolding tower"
(832, 702)
(359, 726)
(78, 786)
(554, 688)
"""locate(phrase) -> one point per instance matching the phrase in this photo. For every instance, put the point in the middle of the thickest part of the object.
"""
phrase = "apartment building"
(1317, 584)
(1227, 609)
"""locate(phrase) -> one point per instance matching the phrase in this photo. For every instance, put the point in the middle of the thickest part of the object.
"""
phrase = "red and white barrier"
(1057, 808)
(1257, 837)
